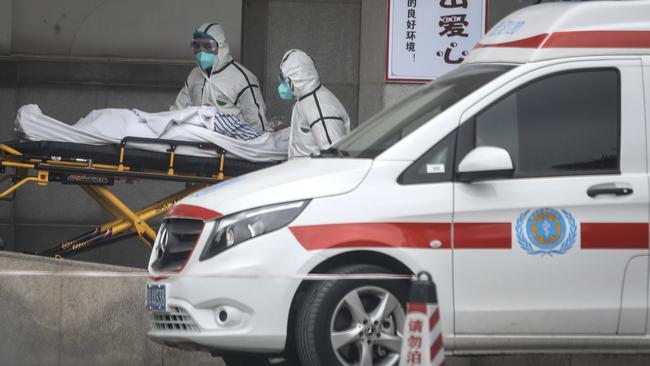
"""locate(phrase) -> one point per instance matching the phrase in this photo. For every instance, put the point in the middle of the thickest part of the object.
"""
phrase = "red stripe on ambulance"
(531, 42)
(373, 235)
(614, 236)
(192, 212)
(482, 236)
(466, 235)
(579, 39)
(599, 39)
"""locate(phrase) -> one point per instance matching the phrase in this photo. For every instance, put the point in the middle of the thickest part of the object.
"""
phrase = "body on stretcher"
(93, 167)
(195, 124)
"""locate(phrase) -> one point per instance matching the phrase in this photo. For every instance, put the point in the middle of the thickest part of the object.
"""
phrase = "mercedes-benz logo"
(162, 242)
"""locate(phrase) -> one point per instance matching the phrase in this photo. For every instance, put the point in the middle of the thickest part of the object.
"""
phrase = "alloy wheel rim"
(366, 328)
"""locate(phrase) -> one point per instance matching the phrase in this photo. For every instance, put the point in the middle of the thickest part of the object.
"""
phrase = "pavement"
(70, 321)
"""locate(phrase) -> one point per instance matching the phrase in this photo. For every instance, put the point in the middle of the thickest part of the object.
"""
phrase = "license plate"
(157, 297)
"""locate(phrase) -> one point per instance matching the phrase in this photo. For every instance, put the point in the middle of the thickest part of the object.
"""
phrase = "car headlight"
(237, 228)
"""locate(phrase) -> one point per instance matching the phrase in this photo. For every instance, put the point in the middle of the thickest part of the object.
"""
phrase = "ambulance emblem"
(546, 231)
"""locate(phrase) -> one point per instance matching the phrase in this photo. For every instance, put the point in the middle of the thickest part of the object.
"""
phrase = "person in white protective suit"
(318, 119)
(220, 81)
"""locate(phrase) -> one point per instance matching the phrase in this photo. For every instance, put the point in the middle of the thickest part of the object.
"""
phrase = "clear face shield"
(205, 45)
(203, 42)
(284, 79)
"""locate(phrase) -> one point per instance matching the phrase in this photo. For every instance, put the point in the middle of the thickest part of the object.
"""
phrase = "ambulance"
(519, 181)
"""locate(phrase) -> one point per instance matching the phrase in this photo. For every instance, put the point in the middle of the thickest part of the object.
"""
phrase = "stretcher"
(95, 167)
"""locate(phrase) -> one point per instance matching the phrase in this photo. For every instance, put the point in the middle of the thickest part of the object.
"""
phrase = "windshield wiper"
(332, 152)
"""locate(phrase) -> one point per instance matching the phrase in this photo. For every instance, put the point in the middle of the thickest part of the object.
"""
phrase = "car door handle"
(615, 189)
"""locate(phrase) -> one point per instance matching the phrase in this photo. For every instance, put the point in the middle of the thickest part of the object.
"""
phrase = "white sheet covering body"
(197, 124)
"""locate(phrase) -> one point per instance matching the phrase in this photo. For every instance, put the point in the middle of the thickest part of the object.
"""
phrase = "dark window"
(436, 165)
(394, 123)
(565, 124)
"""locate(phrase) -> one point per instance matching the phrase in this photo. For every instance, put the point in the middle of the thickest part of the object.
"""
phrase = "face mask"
(206, 59)
(285, 92)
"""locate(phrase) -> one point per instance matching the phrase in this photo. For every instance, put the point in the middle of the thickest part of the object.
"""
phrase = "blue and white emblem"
(546, 231)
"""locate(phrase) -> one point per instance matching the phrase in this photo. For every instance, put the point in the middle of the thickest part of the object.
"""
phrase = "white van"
(519, 181)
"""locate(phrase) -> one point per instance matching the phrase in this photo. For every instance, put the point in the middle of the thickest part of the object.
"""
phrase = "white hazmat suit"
(318, 119)
(230, 87)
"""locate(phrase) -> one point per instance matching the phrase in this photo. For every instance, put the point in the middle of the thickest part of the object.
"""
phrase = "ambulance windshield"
(396, 122)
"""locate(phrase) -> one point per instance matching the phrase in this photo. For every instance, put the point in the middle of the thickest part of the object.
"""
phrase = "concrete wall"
(73, 56)
(5, 26)
(327, 30)
(67, 89)
(56, 321)
(152, 29)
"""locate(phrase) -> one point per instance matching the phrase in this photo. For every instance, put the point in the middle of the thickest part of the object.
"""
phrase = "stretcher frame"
(94, 177)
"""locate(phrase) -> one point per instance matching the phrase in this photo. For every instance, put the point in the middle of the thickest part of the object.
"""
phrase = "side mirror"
(485, 162)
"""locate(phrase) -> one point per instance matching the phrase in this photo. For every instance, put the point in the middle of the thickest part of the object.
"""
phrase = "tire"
(330, 316)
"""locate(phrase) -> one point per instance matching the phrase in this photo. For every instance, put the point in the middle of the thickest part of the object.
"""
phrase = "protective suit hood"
(300, 68)
(229, 86)
(215, 30)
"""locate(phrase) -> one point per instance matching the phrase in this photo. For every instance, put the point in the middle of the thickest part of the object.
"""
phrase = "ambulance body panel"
(519, 181)
(562, 30)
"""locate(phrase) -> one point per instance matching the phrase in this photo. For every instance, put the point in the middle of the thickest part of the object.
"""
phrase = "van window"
(396, 122)
(436, 165)
(565, 124)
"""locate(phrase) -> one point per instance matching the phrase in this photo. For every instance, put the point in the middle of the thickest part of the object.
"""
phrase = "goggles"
(283, 78)
(204, 44)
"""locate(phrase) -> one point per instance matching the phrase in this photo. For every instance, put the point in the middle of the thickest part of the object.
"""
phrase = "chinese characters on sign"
(410, 27)
(429, 38)
(414, 352)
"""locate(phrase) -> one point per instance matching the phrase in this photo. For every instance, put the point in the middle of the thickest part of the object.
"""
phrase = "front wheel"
(352, 322)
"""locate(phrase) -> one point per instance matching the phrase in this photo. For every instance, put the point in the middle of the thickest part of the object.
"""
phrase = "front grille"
(176, 319)
(176, 240)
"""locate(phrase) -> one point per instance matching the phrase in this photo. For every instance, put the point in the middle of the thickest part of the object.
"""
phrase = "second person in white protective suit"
(318, 119)
(220, 81)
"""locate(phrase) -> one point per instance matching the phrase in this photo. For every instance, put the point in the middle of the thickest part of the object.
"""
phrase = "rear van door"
(546, 251)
